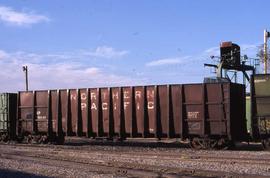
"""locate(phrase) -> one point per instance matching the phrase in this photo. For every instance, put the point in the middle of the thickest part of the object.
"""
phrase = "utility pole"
(25, 70)
(266, 36)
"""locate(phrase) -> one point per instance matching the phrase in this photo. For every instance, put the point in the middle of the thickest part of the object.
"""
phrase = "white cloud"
(213, 51)
(47, 74)
(92, 70)
(106, 52)
(77, 55)
(3, 54)
(11, 16)
(167, 61)
(249, 46)
(249, 49)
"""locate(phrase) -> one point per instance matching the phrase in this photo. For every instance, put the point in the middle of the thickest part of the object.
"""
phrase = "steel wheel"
(196, 143)
(266, 144)
(200, 143)
(5, 138)
(29, 139)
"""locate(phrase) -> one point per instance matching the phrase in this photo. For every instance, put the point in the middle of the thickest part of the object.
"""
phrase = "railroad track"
(91, 167)
(53, 152)
(154, 155)
(106, 168)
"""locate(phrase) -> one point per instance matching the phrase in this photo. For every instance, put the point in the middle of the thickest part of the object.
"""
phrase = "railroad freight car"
(8, 103)
(208, 114)
(260, 108)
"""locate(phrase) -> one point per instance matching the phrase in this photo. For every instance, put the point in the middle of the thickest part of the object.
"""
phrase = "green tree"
(260, 55)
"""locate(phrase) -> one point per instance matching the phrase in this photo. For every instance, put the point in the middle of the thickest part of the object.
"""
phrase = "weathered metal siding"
(176, 111)
(160, 109)
(260, 101)
(53, 112)
(63, 110)
(217, 101)
(139, 116)
(176, 105)
(82, 121)
(116, 107)
(37, 112)
(33, 112)
(73, 108)
(193, 109)
(25, 112)
(95, 114)
(151, 112)
(105, 111)
(41, 111)
(4, 112)
(8, 103)
(126, 110)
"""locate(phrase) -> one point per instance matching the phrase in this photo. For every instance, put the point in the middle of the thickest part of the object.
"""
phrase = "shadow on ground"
(126, 143)
(17, 174)
(243, 146)
(248, 147)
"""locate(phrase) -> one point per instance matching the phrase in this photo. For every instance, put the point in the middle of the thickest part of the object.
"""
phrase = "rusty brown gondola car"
(208, 114)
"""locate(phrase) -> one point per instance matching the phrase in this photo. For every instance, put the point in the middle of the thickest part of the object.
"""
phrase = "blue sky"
(87, 43)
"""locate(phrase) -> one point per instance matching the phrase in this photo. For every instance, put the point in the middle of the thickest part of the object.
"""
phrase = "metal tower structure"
(230, 61)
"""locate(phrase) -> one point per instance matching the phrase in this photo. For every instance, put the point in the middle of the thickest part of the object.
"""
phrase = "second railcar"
(208, 114)
(8, 102)
(260, 108)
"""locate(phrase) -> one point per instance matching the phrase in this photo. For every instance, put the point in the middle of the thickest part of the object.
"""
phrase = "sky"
(101, 43)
